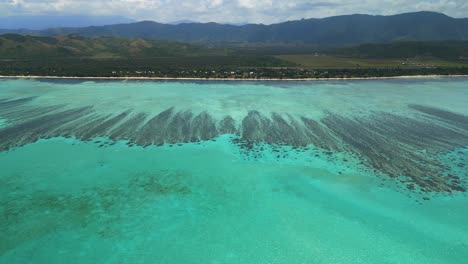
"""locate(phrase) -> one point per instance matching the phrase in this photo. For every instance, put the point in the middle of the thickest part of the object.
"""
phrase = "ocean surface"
(234, 172)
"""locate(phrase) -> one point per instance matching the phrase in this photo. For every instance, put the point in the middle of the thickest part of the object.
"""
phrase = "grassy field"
(312, 61)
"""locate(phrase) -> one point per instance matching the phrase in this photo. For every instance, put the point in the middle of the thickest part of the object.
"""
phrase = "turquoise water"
(268, 172)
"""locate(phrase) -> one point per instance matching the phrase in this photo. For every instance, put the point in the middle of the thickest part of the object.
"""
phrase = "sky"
(228, 11)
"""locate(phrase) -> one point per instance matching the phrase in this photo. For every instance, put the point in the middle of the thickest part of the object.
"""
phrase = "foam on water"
(244, 198)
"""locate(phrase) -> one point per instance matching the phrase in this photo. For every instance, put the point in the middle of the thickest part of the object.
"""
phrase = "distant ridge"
(183, 21)
(331, 31)
(45, 22)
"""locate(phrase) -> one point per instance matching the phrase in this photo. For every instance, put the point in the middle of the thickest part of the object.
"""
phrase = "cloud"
(257, 11)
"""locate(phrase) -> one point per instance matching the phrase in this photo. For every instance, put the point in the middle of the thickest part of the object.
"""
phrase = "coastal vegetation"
(74, 55)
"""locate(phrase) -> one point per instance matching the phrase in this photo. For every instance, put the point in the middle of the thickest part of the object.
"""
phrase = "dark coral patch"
(387, 143)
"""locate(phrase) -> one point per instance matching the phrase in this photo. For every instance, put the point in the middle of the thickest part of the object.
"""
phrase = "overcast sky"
(257, 11)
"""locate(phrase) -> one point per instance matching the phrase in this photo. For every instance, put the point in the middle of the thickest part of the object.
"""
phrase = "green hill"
(13, 46)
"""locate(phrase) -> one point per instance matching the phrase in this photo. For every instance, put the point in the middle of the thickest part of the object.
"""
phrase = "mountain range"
(45, 22)
(331, 31)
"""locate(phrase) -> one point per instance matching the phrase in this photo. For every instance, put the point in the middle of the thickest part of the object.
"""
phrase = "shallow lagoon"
(282, 183)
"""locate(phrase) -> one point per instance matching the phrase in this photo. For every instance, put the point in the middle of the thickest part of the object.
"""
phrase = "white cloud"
(216, 3)
(259, 11)
(247, 3)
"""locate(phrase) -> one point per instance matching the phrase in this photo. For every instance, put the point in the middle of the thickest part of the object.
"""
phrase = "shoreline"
(434, 76)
